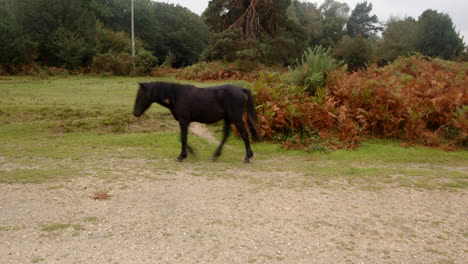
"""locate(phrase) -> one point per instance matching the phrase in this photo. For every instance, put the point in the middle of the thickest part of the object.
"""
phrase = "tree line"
(80, 33)
(279, 31)
(95, 33)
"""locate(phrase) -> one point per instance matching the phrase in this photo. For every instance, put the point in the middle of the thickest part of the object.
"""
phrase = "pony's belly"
(207, 117)
(207, 120)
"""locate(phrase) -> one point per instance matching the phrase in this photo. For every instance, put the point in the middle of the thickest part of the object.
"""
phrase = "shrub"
(414, 98)
(356, 52)
(146, 60)
(113, 54)
(161, 71)
(311, 71)
(209, 71)
(109, 41)
(218, 70)
(122, 64)
(169, 60)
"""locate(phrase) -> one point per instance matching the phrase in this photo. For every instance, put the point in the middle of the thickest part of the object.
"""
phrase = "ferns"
(416, 99)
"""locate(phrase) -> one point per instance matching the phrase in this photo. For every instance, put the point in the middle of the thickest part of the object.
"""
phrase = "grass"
(10, 228)
(54, 227)
(59, 128)
(385, 151)
(91, 219)
(37, 260)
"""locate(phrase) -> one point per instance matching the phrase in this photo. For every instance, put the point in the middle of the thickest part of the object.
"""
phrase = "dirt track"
(182, 217)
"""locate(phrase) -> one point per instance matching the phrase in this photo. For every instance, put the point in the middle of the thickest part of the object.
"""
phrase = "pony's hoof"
(246, 160)
(180, 158)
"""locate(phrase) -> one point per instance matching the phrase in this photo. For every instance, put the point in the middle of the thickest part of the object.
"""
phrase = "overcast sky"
(457, 9)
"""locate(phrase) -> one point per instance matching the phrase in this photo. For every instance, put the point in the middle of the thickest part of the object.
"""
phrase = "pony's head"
(143, 100)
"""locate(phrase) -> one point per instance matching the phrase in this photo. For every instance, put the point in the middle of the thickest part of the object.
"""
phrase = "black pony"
(205, 105)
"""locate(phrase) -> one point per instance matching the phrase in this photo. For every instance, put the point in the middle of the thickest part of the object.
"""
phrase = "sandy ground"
(202, 131)
(185, 217)
(181, 218)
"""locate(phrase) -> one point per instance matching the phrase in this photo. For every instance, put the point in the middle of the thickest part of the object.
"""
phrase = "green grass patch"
(51, 129)
(385, 151)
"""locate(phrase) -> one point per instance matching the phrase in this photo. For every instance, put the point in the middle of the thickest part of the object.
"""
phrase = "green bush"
(109, 41)
(310, 72)
(122, 63)
(146, 60)
(356, 52)
(169, 60)
(113, 54)
(119, 64)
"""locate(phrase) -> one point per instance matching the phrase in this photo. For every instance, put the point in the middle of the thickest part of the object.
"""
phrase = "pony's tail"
(252, 115)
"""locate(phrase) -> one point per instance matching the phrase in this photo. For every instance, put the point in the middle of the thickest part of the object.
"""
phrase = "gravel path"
(183, 218)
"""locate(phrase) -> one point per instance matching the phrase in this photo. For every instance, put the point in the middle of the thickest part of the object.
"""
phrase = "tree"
(307, 16)
(71, 33)
(253, 30)
(361, 22)
(164, 28)
(63, 30)
(14, 44)
(251, 17)
(398, 39)
(356, 52)
(114, 14)
(181, 33)
(436, 35)
(334, 16)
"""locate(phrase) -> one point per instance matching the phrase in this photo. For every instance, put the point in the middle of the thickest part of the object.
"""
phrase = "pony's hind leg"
(227, 131)
(245, 136)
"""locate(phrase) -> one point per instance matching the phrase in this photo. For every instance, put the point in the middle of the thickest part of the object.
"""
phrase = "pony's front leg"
(183, 138)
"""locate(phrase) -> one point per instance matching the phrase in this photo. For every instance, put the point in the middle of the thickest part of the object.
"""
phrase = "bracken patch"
(414, 99)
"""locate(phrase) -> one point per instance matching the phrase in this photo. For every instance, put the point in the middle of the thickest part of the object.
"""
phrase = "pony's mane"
(162, 90)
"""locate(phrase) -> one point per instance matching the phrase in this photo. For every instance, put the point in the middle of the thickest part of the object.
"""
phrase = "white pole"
(133, 37)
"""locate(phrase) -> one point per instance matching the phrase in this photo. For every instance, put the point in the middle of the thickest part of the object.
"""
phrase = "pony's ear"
(144, 89)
